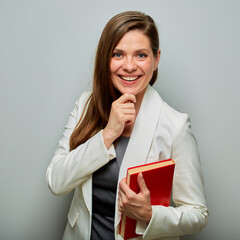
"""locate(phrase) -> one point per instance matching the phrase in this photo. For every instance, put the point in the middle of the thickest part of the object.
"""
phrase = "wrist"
(108, 138)
(149, 216)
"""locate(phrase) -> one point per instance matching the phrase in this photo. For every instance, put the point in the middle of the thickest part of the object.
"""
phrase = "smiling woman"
(122, 123)
(132, 67)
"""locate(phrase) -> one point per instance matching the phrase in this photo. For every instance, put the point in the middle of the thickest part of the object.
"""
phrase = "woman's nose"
(129, 65)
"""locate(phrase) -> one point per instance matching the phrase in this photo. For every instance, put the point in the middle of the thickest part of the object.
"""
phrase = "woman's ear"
(157, 59)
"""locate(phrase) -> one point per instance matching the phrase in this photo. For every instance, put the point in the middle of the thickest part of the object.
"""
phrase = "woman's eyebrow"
(137, 50)
(142, 50)
(118, 50)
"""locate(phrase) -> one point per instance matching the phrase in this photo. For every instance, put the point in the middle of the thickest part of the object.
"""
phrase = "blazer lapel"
(142, 135)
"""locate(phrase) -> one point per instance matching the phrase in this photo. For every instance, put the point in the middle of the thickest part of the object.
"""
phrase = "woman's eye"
(117, 55)
(141, 55)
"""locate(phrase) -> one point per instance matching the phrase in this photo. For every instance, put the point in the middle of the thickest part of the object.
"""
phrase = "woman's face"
(133, 63)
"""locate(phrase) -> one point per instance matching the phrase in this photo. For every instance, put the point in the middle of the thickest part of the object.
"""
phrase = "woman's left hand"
(137, 206)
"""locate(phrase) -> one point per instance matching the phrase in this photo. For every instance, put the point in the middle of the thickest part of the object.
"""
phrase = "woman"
(123, 122)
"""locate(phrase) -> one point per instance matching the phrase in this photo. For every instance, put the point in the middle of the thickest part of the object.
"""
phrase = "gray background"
(47, 52)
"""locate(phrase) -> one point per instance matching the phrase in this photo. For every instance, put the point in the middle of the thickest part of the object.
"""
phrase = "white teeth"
(129, 78)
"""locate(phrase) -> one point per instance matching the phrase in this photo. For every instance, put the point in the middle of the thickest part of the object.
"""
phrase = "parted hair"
(97, 108)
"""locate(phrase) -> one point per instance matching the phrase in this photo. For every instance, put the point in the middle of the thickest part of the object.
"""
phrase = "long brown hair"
(97, 109)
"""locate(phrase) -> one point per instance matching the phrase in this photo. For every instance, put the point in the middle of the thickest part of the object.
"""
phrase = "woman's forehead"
(134, 39)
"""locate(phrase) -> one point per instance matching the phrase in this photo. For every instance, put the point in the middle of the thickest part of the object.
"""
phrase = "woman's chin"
(129, 90)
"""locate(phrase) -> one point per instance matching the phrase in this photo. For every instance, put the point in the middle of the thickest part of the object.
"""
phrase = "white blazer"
(159, 133)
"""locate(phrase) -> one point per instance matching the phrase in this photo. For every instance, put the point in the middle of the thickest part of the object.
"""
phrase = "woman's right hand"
(122, 113)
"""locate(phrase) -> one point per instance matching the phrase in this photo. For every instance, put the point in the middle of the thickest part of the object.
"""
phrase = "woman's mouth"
(129, 79)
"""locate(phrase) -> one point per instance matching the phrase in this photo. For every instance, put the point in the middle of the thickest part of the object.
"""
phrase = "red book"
(158, 177)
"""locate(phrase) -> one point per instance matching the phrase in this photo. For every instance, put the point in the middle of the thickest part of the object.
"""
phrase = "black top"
(104, 195)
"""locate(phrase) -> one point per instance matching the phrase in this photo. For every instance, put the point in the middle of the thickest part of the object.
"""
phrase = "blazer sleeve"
(67, 170)
(190, 214)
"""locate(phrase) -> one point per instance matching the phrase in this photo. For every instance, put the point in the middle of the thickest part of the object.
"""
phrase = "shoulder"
(81, 101)
(172, 114)
(167, 112)
(180, 122)
(80, 104)
(169, 117)
(172, 126)
(172, 120)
